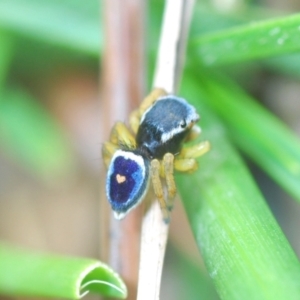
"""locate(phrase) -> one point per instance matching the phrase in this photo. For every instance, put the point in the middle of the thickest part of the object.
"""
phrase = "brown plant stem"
(122, 89)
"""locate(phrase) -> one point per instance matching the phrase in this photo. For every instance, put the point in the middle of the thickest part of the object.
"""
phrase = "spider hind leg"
(120, 136)
(108, 150)
(158, 189)
(168, 170)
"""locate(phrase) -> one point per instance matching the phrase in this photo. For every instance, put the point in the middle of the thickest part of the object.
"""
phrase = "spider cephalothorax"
(153, 150)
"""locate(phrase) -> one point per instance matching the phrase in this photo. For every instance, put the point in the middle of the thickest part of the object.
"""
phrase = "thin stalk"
(170, 59)
(123, 88)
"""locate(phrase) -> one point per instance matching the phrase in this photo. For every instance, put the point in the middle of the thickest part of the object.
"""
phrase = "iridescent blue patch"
(126, 181)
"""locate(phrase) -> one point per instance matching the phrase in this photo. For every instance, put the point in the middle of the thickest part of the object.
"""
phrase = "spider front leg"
(119, 136)
(194, 133)
(135, 116)
(158, 188)
(186, 162)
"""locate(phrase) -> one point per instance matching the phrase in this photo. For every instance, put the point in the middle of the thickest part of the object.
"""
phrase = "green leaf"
(285, 65)
(29, 133)
(262, 136)
(252, 41)
(192, 279)
(245, 251)
(35, 274)
(5, 55)
(73, 24)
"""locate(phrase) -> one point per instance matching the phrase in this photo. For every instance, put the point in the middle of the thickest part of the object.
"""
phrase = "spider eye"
(183, 124)
(127, 181)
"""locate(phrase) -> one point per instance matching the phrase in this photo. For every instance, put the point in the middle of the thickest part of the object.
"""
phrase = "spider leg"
(195, 151)
(193, 133)
(185, 161)
(158, 188)
(188, 165)
(120, 135)
(108, 150)
(135, 116)
(168, 166)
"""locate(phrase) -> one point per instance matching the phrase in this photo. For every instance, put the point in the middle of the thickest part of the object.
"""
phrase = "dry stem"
(122, 90)
(168, 70)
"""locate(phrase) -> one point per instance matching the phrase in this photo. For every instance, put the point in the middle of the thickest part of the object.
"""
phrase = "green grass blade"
(32, 274)
(245, 251)
(192, 279)
(285, 65)
(258, 40)
(73, 24)
(5, 55)
(259, 133)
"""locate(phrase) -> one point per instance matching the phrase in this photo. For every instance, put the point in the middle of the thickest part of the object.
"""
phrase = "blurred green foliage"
(245, 252)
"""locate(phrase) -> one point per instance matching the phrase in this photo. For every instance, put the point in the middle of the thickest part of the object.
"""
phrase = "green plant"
(244, 249)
